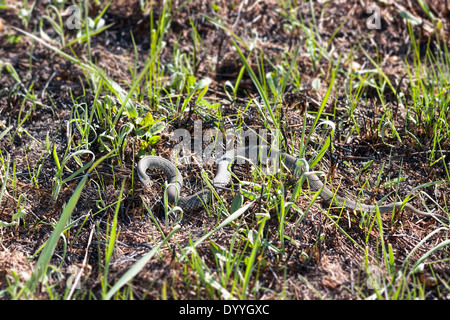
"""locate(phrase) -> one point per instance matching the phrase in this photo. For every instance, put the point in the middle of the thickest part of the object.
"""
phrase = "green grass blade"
(47, 252)
(228, 220)
(112, 239)
(138, 266)
(428, 253)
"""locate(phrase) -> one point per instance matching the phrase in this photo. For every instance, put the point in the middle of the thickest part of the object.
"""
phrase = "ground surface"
(327, 258)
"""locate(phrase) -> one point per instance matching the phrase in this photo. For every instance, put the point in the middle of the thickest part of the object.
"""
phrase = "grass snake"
(223, 178)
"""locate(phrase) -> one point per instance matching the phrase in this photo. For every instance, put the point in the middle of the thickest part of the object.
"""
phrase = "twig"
(77, 279)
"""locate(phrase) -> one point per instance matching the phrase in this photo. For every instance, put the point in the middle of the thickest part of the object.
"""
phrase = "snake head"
(147, 185)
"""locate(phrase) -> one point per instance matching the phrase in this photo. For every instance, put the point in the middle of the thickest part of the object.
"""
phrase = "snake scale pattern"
(223, 178)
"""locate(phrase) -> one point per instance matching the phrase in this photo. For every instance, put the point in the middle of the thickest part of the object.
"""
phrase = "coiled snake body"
(223, 177)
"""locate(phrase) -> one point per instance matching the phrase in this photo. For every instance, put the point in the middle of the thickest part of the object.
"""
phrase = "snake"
(222, 178)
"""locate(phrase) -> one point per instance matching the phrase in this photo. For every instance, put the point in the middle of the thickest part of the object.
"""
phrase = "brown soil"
(335, 267)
